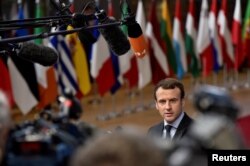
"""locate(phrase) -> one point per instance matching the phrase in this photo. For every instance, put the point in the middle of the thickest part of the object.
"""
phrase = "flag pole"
(113, 113)
(129, 94)
(225, 76)
(235, 86)
(247, 85)
(98, 101)
(215, 78)
(141, 106)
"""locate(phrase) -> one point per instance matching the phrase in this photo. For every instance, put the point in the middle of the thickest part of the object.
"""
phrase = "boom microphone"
(42, 55)
(78, 21)
(135, 34)
(114, 36)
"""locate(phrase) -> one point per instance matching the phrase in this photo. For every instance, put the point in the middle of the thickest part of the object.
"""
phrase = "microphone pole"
(50, 18)
(64, 32)
(33, 25)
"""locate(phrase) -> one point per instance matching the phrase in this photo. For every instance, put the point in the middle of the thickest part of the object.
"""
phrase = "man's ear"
(156, 106)
(183, 102)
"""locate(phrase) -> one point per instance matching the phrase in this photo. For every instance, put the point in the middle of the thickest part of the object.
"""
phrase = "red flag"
(101, 66)
(236, 36)
(243, 125)
(158, 58)
(204, 45)
(5, 84)
(132, 74)
(225, 37)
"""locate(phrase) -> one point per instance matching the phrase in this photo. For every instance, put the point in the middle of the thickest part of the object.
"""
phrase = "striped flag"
(217, 55)
(101, 66)
(236, 36)
(179, 46)
(80, 63)
(166, 34)
(23, 77)
(5, 82)
(65, 71)
(225, 37)
(45, 75)
(144, 68)
(204, 46)
(190, 40)
(128, 62)
(114, 58)
(159, 63)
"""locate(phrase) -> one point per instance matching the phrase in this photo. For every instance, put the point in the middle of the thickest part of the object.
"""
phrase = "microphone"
(78, 21)
(114, 36)
(135, 34)
(85, 36)
(32, 52)
(213, 99)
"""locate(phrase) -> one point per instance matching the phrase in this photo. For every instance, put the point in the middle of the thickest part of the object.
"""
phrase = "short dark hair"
(169, 83)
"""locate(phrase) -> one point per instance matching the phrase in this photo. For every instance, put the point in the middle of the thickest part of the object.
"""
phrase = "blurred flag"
(38, 14)
(246, 33)
(5, 82)
(204, 46)
(190, 40)
(217, 55)
(23, 76)
(144, 68)
(166, 33)
(236, 36)
(114, 58)
(65, 71)
(128, 61)
(179, 46)
(101, 66)
(79, 58)
(225, 37)
(159, 63)
(45, 75)
(243, 126)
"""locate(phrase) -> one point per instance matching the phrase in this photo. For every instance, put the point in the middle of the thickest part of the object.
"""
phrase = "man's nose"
(167, 105)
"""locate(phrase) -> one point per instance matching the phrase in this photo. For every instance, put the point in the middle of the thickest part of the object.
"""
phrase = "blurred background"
(122, 96)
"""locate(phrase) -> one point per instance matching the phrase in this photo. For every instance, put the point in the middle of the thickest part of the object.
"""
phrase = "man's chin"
(169, 119)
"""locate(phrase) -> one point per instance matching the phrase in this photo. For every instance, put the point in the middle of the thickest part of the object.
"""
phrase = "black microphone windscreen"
(115, 38)
(134, 30)
(85, 36)
(43, 55)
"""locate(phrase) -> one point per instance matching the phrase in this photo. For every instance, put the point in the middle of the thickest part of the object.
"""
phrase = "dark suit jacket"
(156, 130)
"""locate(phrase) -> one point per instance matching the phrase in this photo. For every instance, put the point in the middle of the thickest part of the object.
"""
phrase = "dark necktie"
(168, 128)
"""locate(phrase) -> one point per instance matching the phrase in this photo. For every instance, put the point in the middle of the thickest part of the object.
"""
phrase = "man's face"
(169, 103)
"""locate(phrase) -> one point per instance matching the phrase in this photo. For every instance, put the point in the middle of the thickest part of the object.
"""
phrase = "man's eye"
(162, 101)
(173, 101)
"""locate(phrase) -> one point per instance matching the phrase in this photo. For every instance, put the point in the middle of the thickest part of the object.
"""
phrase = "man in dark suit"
(169, 97)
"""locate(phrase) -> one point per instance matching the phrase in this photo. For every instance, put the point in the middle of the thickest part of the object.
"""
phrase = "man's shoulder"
(156, 126)
(188, 118)
(186, 121)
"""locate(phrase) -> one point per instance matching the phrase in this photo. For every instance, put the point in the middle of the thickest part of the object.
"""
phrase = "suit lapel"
(159, 129)
(182, 128)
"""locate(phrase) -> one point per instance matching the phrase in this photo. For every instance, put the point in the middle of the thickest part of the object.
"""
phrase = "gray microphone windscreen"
(43, 55)
(115, 38)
